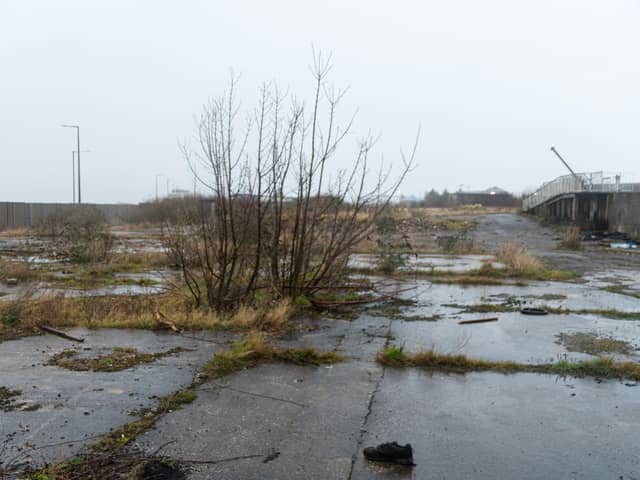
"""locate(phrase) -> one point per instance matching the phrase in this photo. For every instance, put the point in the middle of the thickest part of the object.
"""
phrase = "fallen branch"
(480, 320)
(164, 322)
(53, 331)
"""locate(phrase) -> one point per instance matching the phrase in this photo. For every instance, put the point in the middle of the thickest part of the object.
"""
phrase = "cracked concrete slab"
(310, 416)
(59, 406)
(490, 426)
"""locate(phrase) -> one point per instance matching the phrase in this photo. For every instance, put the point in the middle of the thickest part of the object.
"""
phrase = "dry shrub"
(124, 311)
(571, 239)
(273, 317)
(20, 270)
(277, 317)
(518, 259)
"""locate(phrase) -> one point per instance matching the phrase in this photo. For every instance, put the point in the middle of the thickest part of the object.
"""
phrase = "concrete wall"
(21, 215)
(623, 212)
(613, 212)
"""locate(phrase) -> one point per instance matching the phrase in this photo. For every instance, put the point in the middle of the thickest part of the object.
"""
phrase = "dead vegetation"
(518, 259)
(109, 466)
(593, 344)
(139, 311)
(7, 397)
(81, 233)
(274, 217)
(521, 263)
(571, 239)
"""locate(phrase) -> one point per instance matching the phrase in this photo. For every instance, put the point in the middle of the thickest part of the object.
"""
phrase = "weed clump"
(571, 239)
(518, 259)
(83, 234)
(7, 397)
(121, 358)
(254, 350)
(601, 367)
(593, 344)
(138, 311)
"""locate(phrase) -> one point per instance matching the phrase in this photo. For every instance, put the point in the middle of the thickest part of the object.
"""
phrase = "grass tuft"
(593, 344)
(125, 311)
(571, 239)
(254, 349)
(457, 363)
(121, 358)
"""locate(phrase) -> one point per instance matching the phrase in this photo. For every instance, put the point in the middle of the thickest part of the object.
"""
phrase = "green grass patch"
(129, 432)
(621, 290)
(603, 368)
(593, 344)
(119, 359)
(254, 350)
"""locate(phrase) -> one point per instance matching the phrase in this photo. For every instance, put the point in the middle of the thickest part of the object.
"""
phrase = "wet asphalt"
(282, 421)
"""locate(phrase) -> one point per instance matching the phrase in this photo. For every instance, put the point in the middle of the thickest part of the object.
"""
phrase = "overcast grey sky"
(494, 83)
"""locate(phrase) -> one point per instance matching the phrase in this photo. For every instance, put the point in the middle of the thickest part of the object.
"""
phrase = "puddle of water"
(578, 296)
(426, 263)
(627, 278)
(117, 290)
(514, 336)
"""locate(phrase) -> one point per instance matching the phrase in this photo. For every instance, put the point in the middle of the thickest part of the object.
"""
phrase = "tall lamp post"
(158, 175)
(77, 127)
(73, 168)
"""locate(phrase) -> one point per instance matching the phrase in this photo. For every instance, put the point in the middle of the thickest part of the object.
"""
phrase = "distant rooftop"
(489, 191)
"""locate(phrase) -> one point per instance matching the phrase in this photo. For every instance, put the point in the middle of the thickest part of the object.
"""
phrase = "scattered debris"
(7, 397)
(624, 245)
(480, 320)
(533, 311)
(272, 456)
(53, 331)
(111, 466)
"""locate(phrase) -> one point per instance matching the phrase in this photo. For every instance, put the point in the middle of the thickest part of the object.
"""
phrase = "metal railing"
(581, 182)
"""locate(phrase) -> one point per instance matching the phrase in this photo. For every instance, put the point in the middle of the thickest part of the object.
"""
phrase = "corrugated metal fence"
(21, 215)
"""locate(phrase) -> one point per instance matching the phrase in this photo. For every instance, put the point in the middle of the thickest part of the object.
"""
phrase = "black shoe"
(390, 453)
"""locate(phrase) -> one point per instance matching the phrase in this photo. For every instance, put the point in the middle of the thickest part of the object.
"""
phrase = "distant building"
(491, 197)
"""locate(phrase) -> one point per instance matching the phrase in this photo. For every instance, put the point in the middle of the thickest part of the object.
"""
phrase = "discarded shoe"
(390, 453)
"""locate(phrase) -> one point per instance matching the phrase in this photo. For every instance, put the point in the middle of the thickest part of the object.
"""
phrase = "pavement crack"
(253, 394)
(372, 398)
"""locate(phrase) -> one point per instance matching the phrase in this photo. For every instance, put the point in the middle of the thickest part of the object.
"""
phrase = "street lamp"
(77, 127)
(73, 168)
(158, 175)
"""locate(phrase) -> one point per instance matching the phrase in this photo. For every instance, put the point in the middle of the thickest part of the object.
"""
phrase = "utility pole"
(77, 127)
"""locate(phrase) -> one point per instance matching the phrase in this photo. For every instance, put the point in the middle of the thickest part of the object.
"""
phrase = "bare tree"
(275, 218)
